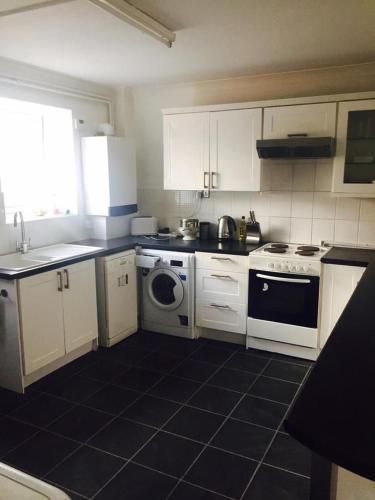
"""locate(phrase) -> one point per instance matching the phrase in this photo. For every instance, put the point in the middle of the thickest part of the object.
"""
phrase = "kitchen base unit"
(116, 279)
(48, 320)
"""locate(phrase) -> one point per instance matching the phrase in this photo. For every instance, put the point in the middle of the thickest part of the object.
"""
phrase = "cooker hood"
(296, 147)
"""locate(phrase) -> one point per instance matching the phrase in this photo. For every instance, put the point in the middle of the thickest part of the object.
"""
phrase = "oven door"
(284, 298)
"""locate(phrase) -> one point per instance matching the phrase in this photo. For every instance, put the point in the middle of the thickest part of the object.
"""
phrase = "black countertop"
(108, 247)
(334, 414)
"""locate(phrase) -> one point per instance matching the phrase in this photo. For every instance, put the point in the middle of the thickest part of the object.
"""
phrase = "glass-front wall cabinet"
(354, 164)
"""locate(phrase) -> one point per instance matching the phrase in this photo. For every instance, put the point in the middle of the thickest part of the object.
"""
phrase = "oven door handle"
(285, 280)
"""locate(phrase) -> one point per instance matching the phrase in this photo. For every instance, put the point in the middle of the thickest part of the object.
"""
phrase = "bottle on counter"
(242, 230)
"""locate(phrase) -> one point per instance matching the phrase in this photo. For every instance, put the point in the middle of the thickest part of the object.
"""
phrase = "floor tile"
(211, 354)
(222, 472)
(137, 483)
(195, 370)
(228, 346)
(76, 388)
(80, 423)
(174, 388)
(292, 359)
(277, 390)
(151, 411)
(286, 371)
(41, 453)
(42, 410)
(122, 437)
(185, 491)
(194, 424)
(244, 439)
(86, 471)
(182, 347)
(233, 379)
(112, 399)
(13, 433)
(257, 352)
(169, 454)
(260, 411)
(215, 399)
(104, 370)
(247, 362)
(138, 379)
(10, 400)
(289, 454)
(160, 361)
(270, 484)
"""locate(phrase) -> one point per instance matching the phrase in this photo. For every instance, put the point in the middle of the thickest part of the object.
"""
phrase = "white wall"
(71, 228)
(299, 207)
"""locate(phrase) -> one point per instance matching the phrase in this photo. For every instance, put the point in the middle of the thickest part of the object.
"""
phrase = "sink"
(44, 255)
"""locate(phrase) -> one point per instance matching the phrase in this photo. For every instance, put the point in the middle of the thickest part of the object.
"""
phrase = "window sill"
(9, 219)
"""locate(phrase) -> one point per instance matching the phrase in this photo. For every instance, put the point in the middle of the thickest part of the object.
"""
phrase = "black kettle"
(226, 229)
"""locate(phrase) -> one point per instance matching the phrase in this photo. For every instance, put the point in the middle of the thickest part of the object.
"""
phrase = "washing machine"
(167, 292)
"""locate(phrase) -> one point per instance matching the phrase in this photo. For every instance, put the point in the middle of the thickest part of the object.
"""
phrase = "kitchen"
(162, 409)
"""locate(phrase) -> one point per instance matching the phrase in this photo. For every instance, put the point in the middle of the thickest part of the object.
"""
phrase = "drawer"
(221, 315)
(223, 285)
(222, 262)
(116, 265)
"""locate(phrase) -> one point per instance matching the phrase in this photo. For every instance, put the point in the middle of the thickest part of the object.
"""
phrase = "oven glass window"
(284, 298)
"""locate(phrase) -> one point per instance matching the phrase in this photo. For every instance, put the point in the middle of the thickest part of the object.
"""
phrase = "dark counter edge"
(115, 245)
(334, 413)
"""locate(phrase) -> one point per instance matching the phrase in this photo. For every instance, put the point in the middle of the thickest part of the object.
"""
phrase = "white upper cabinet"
(313, 120)
(354, 164)
(234, 161)
(212, 150)
(186, 151)
(109, 174)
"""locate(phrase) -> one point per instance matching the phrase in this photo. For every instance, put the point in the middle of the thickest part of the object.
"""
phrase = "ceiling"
(215, 39)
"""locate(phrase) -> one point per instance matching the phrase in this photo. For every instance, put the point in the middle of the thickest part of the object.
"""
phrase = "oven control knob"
(298, 268)
(305, 269)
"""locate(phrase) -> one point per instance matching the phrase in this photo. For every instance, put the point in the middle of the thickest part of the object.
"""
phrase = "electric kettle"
(226, 229)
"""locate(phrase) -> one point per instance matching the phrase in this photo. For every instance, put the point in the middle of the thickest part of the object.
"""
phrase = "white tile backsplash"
(324, 206)
(298, 208)
(347, 208)
(322, 230)
(300, 230)
(346, 231)
(302, 204)
(280, 229)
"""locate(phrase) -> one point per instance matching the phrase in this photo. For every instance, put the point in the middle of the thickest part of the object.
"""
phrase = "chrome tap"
(24, 245)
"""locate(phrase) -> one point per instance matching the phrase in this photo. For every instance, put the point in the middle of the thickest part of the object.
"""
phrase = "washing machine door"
(165, 289)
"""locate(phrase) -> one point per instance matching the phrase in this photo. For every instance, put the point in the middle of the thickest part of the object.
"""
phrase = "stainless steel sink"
(42, 256)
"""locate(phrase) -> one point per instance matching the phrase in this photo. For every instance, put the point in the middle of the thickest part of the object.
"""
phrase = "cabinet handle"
(59, 281)
(206, 184)
(66, 277)
(220, 258)
(213, 185)
(127, 279)
(218, 306)
(223, 276)
(298, 135)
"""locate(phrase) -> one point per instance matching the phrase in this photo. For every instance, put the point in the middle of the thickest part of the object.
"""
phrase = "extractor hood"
(296, 147)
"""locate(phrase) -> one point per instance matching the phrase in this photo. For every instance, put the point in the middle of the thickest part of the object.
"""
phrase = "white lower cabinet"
(221, 292)
(57, 313)
(339, 283)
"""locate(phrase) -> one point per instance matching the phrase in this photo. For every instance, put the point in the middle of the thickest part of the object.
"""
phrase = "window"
(37, 167)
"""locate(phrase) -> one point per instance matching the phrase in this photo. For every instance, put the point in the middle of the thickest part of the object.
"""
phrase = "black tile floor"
(159, 417)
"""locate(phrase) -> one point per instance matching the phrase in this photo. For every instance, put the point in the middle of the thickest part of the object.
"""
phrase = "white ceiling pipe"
(32, 6)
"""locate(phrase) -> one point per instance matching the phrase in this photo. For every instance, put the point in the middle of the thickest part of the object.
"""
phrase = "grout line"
(286, 470)
(215, 434)
(272, 441)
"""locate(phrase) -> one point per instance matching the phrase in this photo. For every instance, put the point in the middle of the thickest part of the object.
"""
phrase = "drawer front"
(221, 315)
(222, 262)
(215, 285)
(118, 264)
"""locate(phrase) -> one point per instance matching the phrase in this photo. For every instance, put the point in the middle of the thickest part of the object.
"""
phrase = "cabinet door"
(121, 286)
(234, 161)
(41, 317)
(186, 151)
(315, 120)
(79, 304)
(339, 282)
(354, 163)
(221, 315)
